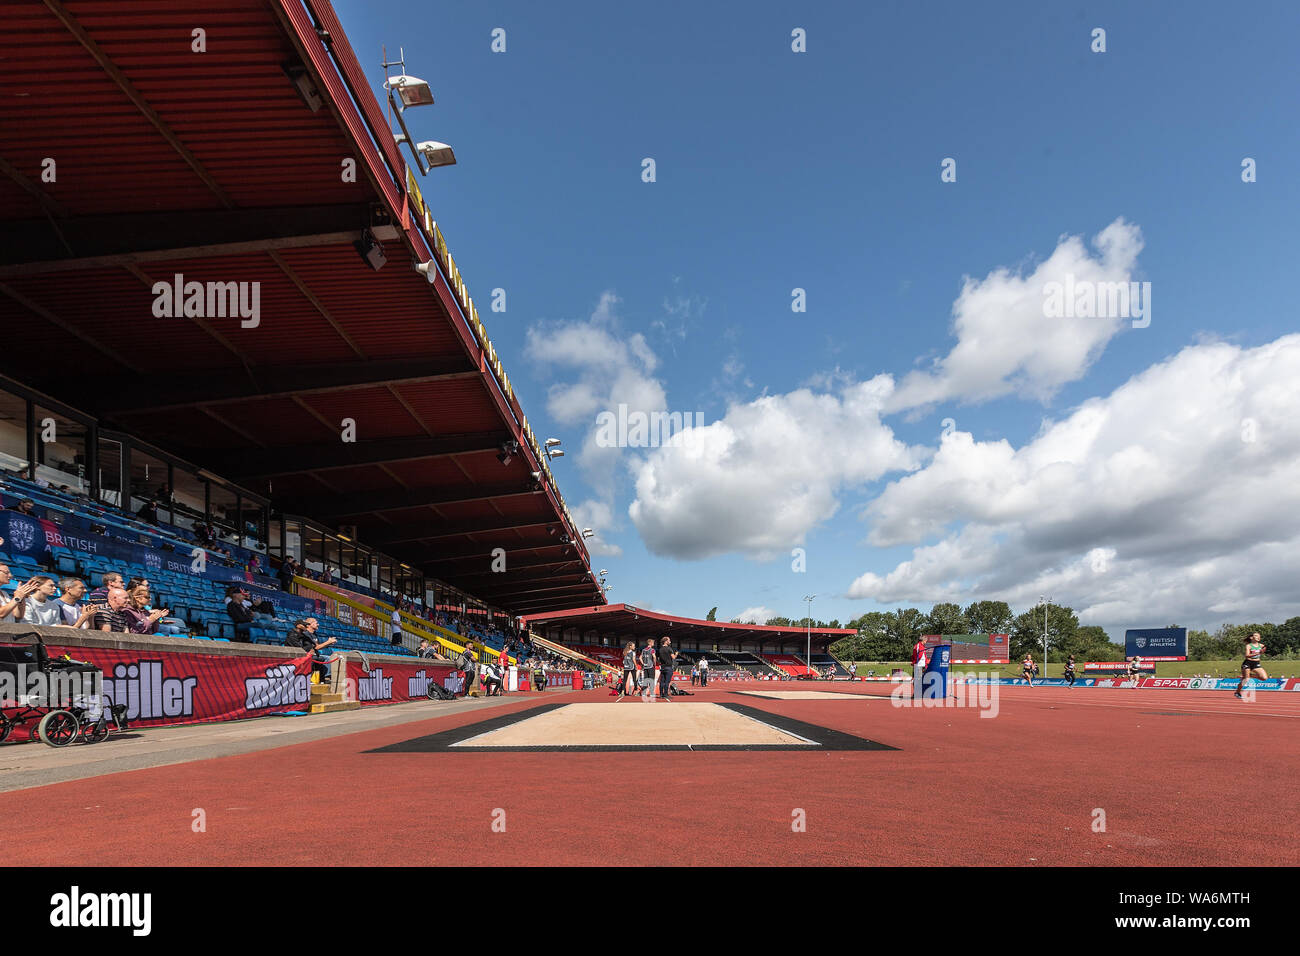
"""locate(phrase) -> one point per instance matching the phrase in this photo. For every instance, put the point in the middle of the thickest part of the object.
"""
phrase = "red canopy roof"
(218, 167)
(624, 620)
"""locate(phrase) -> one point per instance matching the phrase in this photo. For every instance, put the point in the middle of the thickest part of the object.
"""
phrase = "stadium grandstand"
(261, 349)
(601, 632)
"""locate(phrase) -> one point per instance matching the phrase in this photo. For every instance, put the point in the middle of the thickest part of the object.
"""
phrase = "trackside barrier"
(1166, 683)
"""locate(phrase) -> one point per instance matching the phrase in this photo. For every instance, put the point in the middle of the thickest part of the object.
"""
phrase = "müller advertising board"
(175, 687)
(393, 682)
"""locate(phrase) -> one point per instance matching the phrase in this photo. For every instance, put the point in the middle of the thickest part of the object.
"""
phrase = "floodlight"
(436, 154)
(411, 90)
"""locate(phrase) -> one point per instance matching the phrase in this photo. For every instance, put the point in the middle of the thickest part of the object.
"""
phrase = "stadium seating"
(788, 664)
(198, 601)
(823, 661)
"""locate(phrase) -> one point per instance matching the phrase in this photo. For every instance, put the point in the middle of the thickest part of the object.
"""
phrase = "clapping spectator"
(16, 606)
(143, 620)
(73, 612)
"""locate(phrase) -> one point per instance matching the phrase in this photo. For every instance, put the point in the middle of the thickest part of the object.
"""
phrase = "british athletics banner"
(1156, 643)
(395, 682)
(177, 687)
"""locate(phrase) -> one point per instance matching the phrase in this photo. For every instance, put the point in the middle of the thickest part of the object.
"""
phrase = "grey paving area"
(25, 765)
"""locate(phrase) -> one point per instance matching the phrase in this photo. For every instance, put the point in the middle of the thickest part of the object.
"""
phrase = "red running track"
(1018, 789)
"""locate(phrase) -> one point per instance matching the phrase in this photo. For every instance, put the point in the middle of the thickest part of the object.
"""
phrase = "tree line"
(889, 635)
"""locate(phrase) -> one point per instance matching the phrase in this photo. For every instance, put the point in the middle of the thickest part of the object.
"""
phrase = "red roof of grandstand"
(226, 167)
(626, 620)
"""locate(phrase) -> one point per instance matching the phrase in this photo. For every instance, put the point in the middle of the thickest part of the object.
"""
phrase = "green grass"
(1163, 668)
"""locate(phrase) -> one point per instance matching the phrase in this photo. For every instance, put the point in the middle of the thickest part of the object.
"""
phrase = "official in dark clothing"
(468, 664)
(667, 658)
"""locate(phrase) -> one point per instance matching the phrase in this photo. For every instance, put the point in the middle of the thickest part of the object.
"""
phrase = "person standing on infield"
(629, 670)
(649, 670)
(667, 664)
(704, 671)
(918, 666)
(1252, 666)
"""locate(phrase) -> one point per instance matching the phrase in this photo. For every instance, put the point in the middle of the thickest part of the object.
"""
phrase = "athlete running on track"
(1069, 670)
(1027, 669)
(1252, 666)
(1134, 667)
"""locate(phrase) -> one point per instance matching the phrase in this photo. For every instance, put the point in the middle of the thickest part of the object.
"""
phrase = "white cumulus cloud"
(1005, 342)
(1177, 494)
(759, 480)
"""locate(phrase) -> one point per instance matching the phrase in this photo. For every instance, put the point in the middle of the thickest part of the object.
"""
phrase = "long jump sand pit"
(802, 695)
(634, 725)
(638, 724)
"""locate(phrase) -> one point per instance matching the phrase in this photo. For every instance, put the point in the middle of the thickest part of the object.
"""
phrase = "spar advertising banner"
(1156, 643)
(395, 682)
(1167, 683)
(176, 687)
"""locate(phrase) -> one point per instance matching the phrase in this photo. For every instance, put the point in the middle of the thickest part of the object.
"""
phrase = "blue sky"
(821, 170)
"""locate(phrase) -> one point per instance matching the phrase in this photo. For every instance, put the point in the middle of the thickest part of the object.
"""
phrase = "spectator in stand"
(148, 512)
(396, 640)
(26, 507)
(143, 620)
(16, 605)
(41, 608)
(304, 635)
(73, 612)
(111, 615)
(288, 568)
(100, 595)
(239, 609)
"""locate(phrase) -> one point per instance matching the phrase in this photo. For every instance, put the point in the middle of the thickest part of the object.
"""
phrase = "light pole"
(808, 652)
